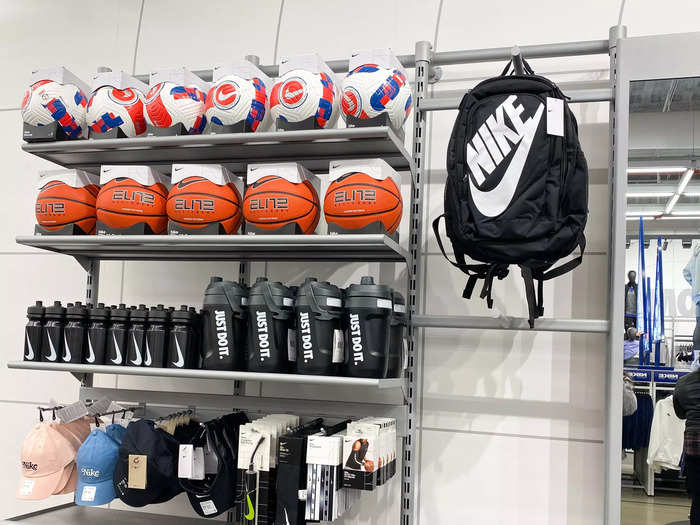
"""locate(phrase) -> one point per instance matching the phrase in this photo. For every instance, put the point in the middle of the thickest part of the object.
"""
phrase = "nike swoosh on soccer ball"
(494, 202)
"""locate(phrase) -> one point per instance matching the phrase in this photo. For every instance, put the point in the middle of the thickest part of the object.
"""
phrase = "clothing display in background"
(691, 272)
(631, 300)
(637, 427)
(629, 399)
(666, 437)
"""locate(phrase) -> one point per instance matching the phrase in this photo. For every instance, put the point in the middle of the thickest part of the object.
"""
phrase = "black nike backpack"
(515, 194)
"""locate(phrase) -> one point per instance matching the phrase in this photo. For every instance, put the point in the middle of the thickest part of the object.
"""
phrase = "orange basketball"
(123, 202)
(356, 200)
(59, 205)
(273, 202)
(196, 202)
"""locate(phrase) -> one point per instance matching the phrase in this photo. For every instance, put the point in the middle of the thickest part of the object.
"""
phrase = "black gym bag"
(514, 193)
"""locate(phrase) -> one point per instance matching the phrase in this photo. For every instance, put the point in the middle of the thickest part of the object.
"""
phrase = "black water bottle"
(368, 309)
(182, 351)
(157, 337)
(117, 336)
(197, 337)
(271, 311)
(136, 340)
(33, 332)
(399, 322)
(74, 333)
(52, 334)
(98, 323)
(319, 336)
(224, 323)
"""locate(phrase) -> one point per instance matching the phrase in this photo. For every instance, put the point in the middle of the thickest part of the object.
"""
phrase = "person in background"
(631, 349)
(686, 404)
(691, 272)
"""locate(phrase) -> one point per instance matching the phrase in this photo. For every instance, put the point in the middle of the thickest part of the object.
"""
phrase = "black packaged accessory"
(517, 185)
(52, 335)
(216, 493)
(136, 340)
(368, 310)
(319, 335)
(74, 333)
(117, 335)
(33, 332)
(271, 311)
(98, 322)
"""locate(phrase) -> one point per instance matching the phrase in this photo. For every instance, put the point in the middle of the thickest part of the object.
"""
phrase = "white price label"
(384, 303)
(555, 116)
(88, 493)
(208, 507)
(338, 346)
(27, 487)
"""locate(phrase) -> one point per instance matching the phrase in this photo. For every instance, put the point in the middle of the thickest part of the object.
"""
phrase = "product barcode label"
(338, 346)
(334, 301)
(400, 308)
(384, 303)
(88, 493)
(291, 344)
(287, 301)
(72, 412)
(208, 507)
(101, 406)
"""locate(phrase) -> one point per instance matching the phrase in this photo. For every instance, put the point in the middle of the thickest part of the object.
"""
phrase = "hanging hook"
(41, 415)
(97, 421)
(53, 414)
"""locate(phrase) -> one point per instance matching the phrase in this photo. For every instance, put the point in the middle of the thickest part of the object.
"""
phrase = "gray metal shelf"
(370, 247)
(543, 324)
(312, 148)
(207, 374)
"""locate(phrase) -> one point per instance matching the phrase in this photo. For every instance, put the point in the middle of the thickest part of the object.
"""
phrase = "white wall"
(513, 422)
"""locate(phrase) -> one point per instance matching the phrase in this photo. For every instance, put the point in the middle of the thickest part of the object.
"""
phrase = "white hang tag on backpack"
(555, 116)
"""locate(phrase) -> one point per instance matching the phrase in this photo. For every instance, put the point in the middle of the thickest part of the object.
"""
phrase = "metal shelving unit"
(312, 148)
(223, 247)
(81, 370)
(315, 149)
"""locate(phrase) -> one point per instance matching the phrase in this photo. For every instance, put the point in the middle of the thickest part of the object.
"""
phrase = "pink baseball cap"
(73, 433)
(46, 453)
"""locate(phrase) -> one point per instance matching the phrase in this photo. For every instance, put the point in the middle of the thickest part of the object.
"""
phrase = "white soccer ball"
(110, 107)
(370, 90)
(47, 101)
(169, 104)
(299, 95)
(234, 99)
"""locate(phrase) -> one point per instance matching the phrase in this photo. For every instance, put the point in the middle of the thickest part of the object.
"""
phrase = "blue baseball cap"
(95, 463)
(116, 432)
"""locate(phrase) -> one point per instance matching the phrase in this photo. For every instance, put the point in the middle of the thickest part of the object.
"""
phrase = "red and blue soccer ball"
(169, 104)
(47, 101)
(234, 99)
(299, 95)
(370, 90)
(110, 108)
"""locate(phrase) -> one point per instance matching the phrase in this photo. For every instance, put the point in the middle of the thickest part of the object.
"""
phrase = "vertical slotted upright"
(415, 246)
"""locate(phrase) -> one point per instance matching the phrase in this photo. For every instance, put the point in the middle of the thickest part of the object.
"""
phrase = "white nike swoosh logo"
(180, 359)
(494, 202)
(91, 353)
(118, 360)
(147, 361)
(53, 355)
(286, 517)
(136, 361)
(29, 356)
(66, 354)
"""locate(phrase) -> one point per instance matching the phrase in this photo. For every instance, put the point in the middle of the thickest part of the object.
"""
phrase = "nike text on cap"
(45, 454)
(96, 460)
(161, 449)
